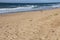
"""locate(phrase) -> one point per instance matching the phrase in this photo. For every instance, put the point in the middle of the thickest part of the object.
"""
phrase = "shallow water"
(6, 8)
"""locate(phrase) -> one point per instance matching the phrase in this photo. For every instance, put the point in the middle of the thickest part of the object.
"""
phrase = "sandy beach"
(35, 25)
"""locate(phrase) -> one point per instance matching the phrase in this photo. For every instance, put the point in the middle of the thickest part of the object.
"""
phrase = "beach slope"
(35, 25)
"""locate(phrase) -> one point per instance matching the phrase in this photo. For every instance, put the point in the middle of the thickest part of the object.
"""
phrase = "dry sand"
(36, 25)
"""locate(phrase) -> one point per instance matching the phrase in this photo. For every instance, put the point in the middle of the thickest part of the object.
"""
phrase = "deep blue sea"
(21, 7)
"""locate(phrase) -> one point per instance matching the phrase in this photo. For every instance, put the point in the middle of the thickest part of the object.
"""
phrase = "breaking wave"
(27, 8)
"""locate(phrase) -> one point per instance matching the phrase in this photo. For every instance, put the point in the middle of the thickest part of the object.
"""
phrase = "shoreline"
(29, 11)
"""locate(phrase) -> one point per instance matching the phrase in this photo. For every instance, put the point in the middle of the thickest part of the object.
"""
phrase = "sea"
(22, 7)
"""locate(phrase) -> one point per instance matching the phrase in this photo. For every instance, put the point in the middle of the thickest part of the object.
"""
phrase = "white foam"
(54, 6)
(5, 10)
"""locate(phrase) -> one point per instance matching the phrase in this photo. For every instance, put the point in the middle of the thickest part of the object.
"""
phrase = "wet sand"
(36, 25)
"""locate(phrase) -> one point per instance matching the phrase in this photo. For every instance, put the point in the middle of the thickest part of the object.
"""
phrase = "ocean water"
(21, 7)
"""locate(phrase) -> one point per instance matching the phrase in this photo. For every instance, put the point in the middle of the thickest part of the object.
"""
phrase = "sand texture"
(36, 25)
